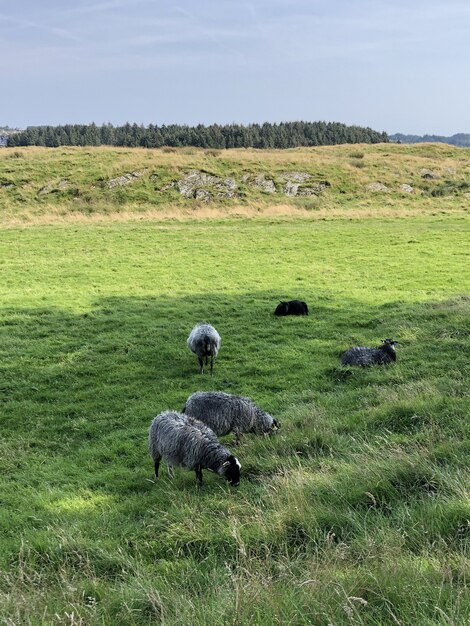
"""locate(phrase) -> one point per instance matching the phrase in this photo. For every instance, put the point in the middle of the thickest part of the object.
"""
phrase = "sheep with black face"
(364, 357)
(225, 413)
(291, 307)
(183, 441)
(204, 341)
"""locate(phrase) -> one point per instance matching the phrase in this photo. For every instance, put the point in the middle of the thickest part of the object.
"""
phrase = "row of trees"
(283, 135)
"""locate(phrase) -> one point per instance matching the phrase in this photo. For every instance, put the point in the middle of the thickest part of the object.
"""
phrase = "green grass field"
(356, 512)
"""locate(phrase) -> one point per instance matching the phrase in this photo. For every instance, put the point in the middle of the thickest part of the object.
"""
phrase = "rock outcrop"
(294, 184)
(378, 187)
(123, 180)
(406, 188)
(204, 187)
(429, 174)
(260, 181)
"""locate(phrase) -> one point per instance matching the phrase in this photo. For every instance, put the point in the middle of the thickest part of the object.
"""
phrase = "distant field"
(41, 186)
(357, 512)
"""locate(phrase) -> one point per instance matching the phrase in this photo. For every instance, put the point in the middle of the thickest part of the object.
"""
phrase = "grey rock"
(429, 174)
(377, 187)
(46, 189)
(204, 186)
(297, 177)
(261, 182)
(293, 185)
(290, 188)
(406, 188)
(203, 195)
(123, 180)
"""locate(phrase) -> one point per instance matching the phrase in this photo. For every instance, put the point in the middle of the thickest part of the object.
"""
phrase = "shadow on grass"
(127, 359)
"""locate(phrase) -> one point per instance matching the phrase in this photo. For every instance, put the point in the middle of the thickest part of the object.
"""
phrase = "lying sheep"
(184, 441)
(292, 307)
(364, 357)
(204, 341)
(225, 413)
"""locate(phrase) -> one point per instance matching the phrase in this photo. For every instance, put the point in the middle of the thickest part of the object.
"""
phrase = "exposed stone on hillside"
(52, 188)
(406, 188)
(294, 184)
(378, 187)
(260, 181)
(204, 186)
(429, 174)
(6, 184)
(299, 177)
(125, 179)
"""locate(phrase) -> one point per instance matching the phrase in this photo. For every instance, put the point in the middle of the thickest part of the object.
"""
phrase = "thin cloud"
(102, 7)
(21, 24)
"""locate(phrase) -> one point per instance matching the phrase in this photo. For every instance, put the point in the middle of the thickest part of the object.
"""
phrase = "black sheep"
(292, 307)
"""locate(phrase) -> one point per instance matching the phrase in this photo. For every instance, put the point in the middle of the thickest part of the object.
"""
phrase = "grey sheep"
(204, 341)
(364, 357)
(183, 441)
(225, 413)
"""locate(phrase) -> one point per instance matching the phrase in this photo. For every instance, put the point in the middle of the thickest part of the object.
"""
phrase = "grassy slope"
(357, 513)
(31, 178)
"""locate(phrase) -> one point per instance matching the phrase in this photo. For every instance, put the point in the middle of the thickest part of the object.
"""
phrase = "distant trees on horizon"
(267, 135)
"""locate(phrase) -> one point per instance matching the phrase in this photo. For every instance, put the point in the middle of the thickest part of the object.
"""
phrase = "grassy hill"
(356, 512)
(40, 185)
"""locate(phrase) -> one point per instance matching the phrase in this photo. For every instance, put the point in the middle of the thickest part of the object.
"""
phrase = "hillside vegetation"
(40, 185)
(357, 512)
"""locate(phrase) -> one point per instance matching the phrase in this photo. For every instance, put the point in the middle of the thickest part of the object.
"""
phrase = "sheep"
(204, 341)
(365, 357)
(292, 307)
(225, 413)
(184, 441)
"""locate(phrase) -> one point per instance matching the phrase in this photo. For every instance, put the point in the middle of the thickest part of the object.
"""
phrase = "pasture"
(356, 512)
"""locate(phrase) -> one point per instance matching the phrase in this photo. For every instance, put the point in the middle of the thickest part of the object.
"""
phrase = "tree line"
(267, 135)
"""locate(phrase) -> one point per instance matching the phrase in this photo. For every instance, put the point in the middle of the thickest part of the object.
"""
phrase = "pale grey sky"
(393, 65)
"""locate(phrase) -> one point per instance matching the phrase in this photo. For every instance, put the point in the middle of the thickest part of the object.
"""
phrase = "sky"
(392, 65)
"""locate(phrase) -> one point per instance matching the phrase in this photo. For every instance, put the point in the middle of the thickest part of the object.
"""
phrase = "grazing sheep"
(184, 441)
(225, 413)
(292, 307)
(204, 341)
(370, 356)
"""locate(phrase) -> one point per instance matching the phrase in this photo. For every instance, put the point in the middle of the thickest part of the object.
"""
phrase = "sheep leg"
(157, 465)
(199, 475)
(237, 438)
(212, 363)
(171, 471)
(201, 364)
